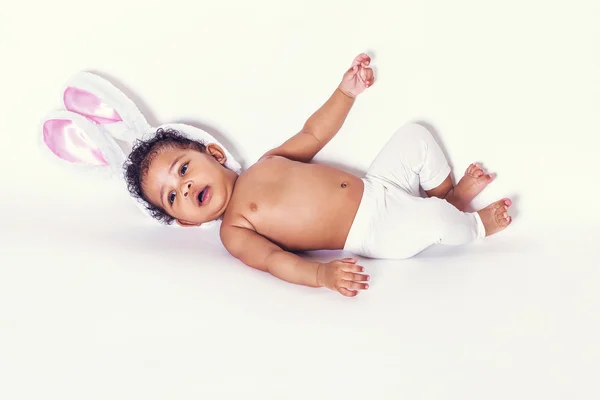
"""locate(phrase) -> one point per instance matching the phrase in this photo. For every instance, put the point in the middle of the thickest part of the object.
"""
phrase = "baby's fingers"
(362, 59)
(347, 293)
(349, 276)
(350, 285)
(366, 76)
(351, 266)
(369, 75)
(351, 73)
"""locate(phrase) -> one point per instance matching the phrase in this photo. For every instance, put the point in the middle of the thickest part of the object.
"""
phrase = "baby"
(283, 204)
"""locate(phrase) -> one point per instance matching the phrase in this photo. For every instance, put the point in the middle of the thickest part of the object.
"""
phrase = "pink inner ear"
(89, 105)
(69, 142)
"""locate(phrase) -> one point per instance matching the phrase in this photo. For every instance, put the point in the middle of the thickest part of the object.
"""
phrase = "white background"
(96, 302)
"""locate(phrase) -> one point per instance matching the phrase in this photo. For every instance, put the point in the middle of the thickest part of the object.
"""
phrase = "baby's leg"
(435, 221)
(412, 159)
(455, 229)
(459, 195)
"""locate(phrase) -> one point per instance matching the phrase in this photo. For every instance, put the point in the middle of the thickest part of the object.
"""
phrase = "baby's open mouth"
(202, 196)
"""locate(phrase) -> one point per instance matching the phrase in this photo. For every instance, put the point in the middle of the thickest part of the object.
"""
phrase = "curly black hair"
(138, 162)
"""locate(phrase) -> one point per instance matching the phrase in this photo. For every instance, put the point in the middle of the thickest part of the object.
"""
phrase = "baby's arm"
(325, 123)
(258, 252)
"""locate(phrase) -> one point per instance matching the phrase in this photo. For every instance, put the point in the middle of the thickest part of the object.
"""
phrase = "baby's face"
(191, 186)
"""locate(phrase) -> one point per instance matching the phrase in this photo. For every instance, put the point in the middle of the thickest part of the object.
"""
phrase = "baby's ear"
(217, 152)
(186, 224)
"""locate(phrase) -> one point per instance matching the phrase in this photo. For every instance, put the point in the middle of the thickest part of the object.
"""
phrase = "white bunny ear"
(78, 142)
(100, 101)
(97, 99)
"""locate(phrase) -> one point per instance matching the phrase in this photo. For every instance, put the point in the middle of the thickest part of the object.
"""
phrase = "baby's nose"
(186, 189)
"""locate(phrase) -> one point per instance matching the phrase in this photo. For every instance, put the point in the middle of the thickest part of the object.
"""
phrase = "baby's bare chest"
(291, 191)
(282, 199)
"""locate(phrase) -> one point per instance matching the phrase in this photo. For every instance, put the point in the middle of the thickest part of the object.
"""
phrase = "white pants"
(393, 220)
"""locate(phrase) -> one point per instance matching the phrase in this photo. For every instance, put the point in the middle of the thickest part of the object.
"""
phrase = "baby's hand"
(343, 276)
(358, 77)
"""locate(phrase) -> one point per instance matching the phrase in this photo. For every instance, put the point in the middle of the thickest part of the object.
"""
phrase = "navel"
(253, 207)
(344, 184)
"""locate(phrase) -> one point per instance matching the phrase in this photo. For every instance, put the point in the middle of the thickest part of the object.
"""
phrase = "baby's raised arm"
(325, 123)
(258, 252)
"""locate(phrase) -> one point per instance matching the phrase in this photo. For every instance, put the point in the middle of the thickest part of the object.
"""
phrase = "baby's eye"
(171, 197)
(183, 169)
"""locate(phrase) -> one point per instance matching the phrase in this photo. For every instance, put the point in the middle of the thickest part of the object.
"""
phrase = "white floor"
(90, 318)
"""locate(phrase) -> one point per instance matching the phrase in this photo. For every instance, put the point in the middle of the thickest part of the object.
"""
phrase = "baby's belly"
(312, 208)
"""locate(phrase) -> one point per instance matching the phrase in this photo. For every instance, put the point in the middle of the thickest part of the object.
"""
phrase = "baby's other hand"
(359, 77)
(343, 276)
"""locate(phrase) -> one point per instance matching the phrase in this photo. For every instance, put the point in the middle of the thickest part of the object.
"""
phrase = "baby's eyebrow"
(175, 162)
(162, 196)
(162, 188)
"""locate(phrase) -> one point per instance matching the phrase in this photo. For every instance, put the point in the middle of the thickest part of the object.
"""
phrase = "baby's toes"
(504, 203)
(477, 173)
(488, 177)
(471, 169)
(480, 173)
(505, 221)
(502, 216)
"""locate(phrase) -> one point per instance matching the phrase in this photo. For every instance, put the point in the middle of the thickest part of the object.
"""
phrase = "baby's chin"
(189, 221)
(193, 220)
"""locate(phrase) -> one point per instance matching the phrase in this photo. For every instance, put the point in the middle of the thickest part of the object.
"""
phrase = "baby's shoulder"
(270, 158)
(236, 220)
(232, 225)
(264, 167)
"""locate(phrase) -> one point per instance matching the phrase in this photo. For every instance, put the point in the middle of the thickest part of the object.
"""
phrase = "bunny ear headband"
(96, 131)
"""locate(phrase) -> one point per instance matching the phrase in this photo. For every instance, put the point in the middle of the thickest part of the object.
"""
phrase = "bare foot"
(470, 185)
(495, 216)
